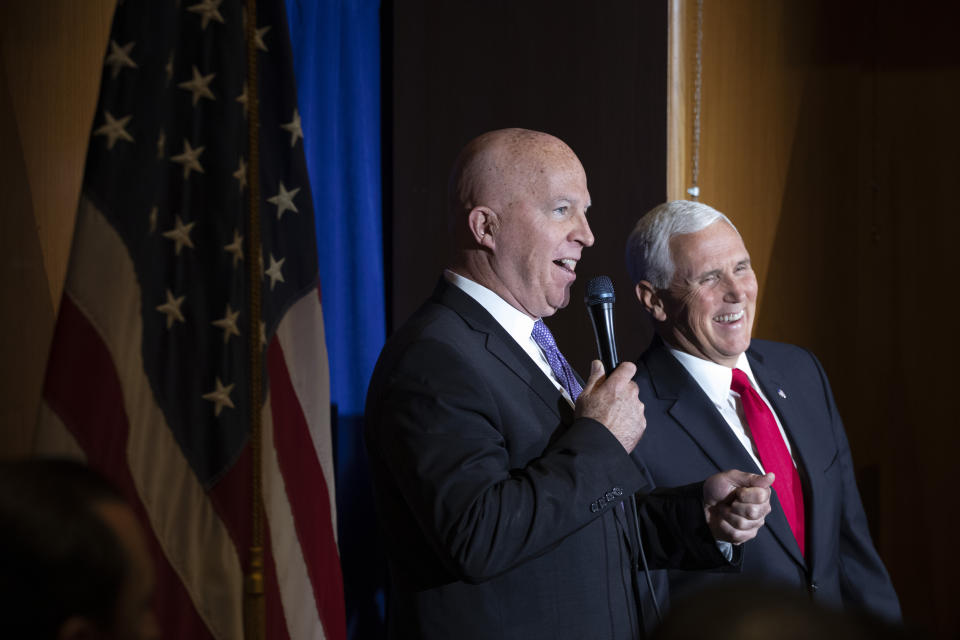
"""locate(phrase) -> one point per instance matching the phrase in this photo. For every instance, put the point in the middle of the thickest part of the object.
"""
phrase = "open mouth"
(566, 264)
(729, 318)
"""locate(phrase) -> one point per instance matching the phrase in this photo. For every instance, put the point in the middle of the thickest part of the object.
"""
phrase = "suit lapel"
(802, 443)
(695, 413)
(502, 346)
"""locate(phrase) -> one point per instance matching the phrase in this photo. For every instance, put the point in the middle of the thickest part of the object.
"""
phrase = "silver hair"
(648, 247)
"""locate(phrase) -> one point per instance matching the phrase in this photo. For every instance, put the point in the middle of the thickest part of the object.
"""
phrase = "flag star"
(114, 129)
(294, 128)
(228, 323)
(258, 38)
(220, 397)
(180, 234)
(235, 248)
(241, 174)
(274, 272)
(284, 200)
(153, 218)
(171, 308)
(242, 99)
(189, 159)
(161, 144)
(168, 68)
(119, 57)
(199, 85)
(209, 10)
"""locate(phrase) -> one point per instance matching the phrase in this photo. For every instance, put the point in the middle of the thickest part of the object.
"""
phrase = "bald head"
(497, 167)
(518, 201)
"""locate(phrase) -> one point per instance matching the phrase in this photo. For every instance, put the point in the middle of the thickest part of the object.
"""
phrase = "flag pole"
(254, 617)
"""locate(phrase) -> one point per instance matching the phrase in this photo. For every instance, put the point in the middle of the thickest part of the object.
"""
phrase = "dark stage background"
(592, 75)
(829, 134)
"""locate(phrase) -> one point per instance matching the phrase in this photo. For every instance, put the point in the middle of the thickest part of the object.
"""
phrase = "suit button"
(813, 587)
(617, 491)
(609, 495)
(594, 507)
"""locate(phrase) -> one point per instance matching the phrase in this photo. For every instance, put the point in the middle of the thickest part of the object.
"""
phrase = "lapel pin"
(781, 394)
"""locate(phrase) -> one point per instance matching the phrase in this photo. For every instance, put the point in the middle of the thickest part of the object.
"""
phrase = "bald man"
(501, 479)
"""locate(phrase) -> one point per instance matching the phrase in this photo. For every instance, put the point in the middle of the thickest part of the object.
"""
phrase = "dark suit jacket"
(499, 509)
(687, 438)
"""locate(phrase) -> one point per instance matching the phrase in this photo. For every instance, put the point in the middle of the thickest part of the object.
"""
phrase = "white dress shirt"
(515, 322)
(715, 380)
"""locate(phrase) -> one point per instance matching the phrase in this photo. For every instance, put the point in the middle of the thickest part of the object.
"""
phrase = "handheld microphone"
(599, 301)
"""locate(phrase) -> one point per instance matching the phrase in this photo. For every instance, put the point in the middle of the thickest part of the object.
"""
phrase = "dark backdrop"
(592, 74)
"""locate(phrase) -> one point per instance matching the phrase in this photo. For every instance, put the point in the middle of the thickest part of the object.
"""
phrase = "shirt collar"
(518, 324)
(713, 378)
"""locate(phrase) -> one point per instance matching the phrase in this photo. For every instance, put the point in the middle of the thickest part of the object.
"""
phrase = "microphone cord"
(643, 558)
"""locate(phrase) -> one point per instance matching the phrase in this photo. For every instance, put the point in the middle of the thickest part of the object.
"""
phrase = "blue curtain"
(336, 50)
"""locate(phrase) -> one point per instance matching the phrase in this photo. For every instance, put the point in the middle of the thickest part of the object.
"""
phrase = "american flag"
(148, 377)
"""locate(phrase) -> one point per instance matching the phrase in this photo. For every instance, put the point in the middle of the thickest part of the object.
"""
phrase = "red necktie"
(773, 452)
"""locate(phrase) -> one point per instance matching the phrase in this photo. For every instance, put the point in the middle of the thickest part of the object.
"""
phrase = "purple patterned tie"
(561, 368)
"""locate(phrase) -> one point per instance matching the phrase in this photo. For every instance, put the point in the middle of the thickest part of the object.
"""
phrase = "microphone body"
(599, 301)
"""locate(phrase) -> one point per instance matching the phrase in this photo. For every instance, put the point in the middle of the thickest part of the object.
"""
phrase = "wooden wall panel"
(51, 54)
(828, 137)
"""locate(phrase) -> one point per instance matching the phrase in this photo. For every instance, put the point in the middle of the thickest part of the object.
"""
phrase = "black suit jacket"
(687, 438)
(499, 509)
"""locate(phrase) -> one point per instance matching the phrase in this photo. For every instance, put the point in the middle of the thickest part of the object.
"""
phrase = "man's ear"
(650, 300)
(484, 222)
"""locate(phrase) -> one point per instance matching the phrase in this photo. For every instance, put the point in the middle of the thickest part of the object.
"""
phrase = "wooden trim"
(679, 109)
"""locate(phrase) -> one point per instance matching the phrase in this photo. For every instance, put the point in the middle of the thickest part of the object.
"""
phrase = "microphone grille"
(599, 290)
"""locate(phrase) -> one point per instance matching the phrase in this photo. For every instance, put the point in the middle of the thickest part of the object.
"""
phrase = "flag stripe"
(232, 497)
(302, 617)
(53, 438)
(102, 436)
(309, 503)
(302, 340)
(273, 604)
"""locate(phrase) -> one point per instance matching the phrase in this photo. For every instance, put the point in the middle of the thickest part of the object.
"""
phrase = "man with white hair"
(716, 399)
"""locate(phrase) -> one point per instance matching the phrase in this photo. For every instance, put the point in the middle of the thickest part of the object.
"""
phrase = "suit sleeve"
(441, 433)
(676, 534)
(864, 581)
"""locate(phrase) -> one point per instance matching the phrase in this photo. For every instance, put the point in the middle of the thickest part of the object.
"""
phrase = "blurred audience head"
(77, 565)
(758, 611)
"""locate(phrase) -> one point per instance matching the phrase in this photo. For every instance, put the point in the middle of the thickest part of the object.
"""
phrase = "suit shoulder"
(433, 348)
(433, 327)
(780, 351)
(791, 361)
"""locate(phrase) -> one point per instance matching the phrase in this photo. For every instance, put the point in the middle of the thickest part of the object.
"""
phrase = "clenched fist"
(613, 402)
(736, 503)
